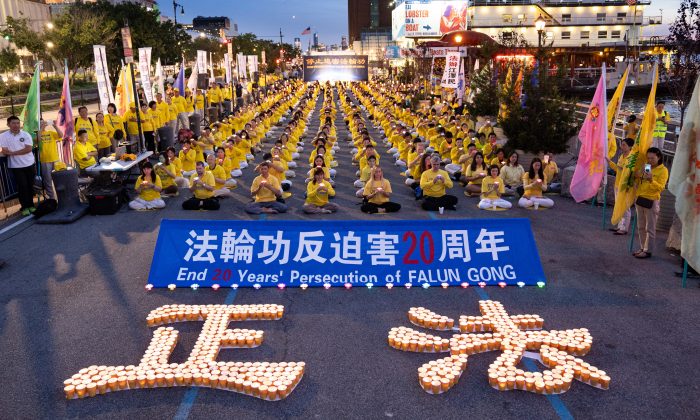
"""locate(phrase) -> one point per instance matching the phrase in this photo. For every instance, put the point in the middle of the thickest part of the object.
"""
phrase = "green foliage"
(546, 121)
(18, 31)
(684, 42)
(485, 101)
(9, 60)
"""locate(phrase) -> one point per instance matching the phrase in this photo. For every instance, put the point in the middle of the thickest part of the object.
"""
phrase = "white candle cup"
(441, 210)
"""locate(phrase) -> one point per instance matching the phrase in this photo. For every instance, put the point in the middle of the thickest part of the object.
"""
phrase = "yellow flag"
(628, 187)
(124, 92)
(503, 113)
(614, 110)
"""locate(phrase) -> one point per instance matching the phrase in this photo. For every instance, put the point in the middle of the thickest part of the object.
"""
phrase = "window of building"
(507, 18)
(621, 16)
(602, 34)
(600, 17)
(566, 17)
(585, 34)
(566, 35)
(615, 35)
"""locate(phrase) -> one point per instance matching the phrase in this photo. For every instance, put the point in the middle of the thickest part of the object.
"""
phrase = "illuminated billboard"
(428, 18)
(335, 68)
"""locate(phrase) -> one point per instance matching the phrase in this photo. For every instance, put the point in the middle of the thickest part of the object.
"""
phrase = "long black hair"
(473, 164)
(148, 164)
(531, 172)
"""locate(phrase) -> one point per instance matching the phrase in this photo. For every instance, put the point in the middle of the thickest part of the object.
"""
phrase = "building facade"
(38, 14)
(367, 14)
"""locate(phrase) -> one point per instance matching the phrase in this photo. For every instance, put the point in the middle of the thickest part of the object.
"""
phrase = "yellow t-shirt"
(115, 122)
(179, 102)
(48, 146)
(149, 194)
(87, 125)
(316, 197)
(265, 195)
(80, 153)
(487, 183)
(207, 179)
(188, 160)
(220, 173)
(431, 189)
(536, 189)
(652, 188)
(550, 170)
(166, 180)
(104, 135)
(371, 188)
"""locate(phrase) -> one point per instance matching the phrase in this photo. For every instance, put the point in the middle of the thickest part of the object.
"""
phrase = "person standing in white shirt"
(17, 145)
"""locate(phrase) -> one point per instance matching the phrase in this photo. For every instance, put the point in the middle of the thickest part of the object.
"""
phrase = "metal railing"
(559, 21)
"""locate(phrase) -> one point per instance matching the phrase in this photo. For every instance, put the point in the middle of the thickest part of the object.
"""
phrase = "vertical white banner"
(145, 70)
(227, 63)
(263, 57)
(450, 77)
(241, 63)
(104, 87)
(252, 64)
(201, 62)
(159, 84)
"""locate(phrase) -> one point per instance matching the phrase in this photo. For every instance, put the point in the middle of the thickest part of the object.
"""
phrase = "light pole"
(539, 25)
(175, 6)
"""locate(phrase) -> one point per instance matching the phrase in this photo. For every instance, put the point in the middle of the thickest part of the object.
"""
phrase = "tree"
(485, 100)
(684, 42)
(9, 60)
(19, 32)
(545, 121)
(74, 34)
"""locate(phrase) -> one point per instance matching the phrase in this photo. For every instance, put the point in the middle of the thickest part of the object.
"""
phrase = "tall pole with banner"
(129, 60)
(104, 87)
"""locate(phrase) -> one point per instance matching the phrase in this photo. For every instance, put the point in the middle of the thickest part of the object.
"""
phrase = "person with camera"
(651, 181)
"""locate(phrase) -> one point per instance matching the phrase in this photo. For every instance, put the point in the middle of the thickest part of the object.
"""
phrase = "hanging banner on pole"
(252, 64)
(145, 70)
(242, 66)
(201, 64)
(450, 75)
(104, 87)
(263, 57)
(454, 252)
(159, 85)
(227, 63)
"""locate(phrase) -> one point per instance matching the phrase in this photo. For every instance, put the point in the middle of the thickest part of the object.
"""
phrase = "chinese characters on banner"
(335, 67)
(299, 254)
(450, 78)
(104, 86)
(145, 70)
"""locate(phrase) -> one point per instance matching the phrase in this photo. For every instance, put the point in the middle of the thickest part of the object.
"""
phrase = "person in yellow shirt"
(222, 182)
(377, 192)
(199, 103)
(551, 171)
(202, 185)
(434, 182)
(180, 180)
(651, 181)
(167, 170)
(131, 122)
(104, 136)
(318, 191)
(625, 148)
(365, 174)
(149, 130)
(180, 107)
(214, 96)
(83, 122)
(188, 159)
(534, 184)
(48, 154)
(492, 188)
(474, 174)
(84, 153)
(149, 186)
(266, 191)
(113, 119)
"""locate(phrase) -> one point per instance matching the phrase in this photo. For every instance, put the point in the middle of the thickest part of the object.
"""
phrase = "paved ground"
(73, 296)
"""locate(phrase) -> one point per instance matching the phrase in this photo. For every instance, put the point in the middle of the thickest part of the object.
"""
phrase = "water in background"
(635, 103)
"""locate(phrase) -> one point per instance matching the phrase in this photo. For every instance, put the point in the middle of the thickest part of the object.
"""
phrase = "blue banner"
(450, 252)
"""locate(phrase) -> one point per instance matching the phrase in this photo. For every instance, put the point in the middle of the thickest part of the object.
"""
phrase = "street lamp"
(539, 25)
(49, 25)
(175, 6)
(49, 45)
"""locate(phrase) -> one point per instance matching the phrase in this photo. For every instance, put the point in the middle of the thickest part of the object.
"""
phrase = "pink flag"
(590, 168)
(64, 120)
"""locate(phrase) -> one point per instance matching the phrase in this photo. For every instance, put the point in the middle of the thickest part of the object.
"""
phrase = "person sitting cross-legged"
(318, 191)
(202, 185)
(377, 192)
(266, 190)
(434, 182)
(534, 184)
(491, 190)
(149, 186)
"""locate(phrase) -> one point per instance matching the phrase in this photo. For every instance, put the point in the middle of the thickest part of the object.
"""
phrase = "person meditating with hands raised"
(265, 190)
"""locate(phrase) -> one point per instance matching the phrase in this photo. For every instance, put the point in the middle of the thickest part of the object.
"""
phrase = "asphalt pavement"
(73, 296)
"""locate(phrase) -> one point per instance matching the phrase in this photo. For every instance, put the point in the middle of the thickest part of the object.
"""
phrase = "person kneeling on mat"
(202, 185)
(434, 182)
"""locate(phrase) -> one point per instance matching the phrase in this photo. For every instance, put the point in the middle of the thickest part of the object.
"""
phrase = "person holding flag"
(48, 154)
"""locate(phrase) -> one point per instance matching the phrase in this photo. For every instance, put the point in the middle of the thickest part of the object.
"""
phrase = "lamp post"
(539, 25)
(175, 6)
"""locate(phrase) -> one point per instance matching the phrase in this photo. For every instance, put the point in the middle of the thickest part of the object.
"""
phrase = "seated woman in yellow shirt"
(377, 192)
(223, 184)
(534, 183)
(474, 174)
(492, 189)
(365, 174)
(172, 158)
(318, 191)
(188, 159)
(149, 186)
(434, 183)
(320, 163)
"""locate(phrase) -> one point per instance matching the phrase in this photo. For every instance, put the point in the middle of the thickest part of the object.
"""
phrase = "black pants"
(25, 185)
(150, 137)
(449, 202)
(372, 208)
(195, 203)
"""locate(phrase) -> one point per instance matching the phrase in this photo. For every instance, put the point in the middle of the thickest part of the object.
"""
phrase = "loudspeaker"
(202, 81)
(69, 207)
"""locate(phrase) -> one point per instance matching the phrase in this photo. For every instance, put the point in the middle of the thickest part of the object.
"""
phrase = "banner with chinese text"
(454, 252)
(335, 68)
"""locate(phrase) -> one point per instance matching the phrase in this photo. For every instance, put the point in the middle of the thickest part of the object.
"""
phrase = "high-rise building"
(315, 40)
(367, 14)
